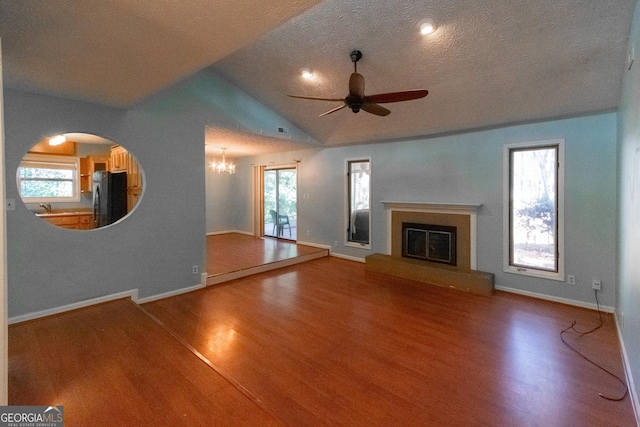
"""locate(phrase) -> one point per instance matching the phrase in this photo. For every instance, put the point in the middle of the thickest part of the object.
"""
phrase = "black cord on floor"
(573, 328)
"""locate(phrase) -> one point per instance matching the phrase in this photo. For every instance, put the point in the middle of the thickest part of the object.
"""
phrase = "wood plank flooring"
(112, 365)
(234, 255)
(321, 343)
(327, 343)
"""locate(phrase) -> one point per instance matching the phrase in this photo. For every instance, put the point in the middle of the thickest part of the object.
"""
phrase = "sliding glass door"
(279, 203)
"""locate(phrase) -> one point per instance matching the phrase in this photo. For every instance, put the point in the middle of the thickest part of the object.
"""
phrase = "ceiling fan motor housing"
(353, 102)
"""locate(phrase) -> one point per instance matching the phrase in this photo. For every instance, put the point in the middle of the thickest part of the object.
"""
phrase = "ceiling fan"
(357, 100)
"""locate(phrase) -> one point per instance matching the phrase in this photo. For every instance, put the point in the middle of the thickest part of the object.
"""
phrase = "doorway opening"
(279, 203)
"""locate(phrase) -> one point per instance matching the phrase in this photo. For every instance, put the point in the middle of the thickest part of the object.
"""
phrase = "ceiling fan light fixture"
(356, 100)
(427, 26)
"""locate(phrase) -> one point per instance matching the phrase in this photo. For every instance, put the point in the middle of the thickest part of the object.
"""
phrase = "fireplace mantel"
(469, 210)
(427, 206)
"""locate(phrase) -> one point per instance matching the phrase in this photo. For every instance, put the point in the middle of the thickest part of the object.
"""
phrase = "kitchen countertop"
(70, 213)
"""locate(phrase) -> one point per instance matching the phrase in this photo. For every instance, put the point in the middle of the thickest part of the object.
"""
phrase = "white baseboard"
(635, 403)
(171, 293)
(349, 257)
(215, 233)
(331, 253)
(226, 277)
(593, 306)
(133, 294)
(314, 245)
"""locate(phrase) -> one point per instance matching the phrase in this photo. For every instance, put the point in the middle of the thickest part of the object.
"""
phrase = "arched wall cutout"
(80, 181)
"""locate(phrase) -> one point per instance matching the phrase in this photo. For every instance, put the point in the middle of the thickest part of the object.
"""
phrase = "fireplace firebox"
(434, 243)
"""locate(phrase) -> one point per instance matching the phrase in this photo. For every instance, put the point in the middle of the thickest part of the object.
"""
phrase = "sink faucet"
(46, 206)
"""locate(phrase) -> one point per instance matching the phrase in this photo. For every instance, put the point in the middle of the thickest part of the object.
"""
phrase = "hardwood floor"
(326, 343)
(233, 252)
(321, 343)
(112, 365)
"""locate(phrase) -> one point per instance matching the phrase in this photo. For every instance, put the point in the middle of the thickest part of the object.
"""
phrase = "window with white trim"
(49, 179)
(534, 197)
(359, 191)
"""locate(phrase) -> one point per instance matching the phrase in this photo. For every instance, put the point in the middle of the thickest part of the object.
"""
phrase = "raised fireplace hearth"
(433, 243)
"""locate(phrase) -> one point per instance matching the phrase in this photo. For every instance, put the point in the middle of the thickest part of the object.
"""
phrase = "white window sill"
(531, 272)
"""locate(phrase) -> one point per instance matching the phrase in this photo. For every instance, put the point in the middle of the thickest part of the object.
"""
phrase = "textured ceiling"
(490, 62)
(239, 144)
(118, 52)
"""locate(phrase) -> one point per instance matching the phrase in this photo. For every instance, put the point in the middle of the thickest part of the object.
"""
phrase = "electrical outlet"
(596, 284)
(571, 279)
(194, 269)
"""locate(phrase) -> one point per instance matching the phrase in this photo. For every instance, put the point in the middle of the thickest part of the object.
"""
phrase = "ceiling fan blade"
(333, 110)
(376, 109)
(408, 95)
(356, 85)
(314, 98)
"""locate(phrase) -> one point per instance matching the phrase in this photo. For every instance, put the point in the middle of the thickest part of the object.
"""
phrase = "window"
(49, 179)
(359, 190)
(533, 209)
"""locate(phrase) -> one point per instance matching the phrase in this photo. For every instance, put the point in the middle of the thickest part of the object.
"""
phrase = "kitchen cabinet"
(68, 148)
(86, 174)
(134, 183)
(119, 159)
(71, 220)
(89, 165)
(85, 222)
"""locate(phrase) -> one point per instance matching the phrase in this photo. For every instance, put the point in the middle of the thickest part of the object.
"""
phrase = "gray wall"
(152, 250)
(228, 203)
(467, 168)
(629, 211)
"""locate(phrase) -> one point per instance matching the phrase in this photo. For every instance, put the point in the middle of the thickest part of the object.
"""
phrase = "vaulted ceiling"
(489, 62)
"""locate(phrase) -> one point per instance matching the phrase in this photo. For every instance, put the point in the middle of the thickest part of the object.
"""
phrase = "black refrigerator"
(109, 197)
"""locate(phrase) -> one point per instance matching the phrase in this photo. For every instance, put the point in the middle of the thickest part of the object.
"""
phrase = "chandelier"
(223, 166)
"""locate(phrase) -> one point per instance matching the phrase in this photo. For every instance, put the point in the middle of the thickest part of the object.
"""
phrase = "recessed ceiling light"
(427, 26)
(57, 140)
(307, 74)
